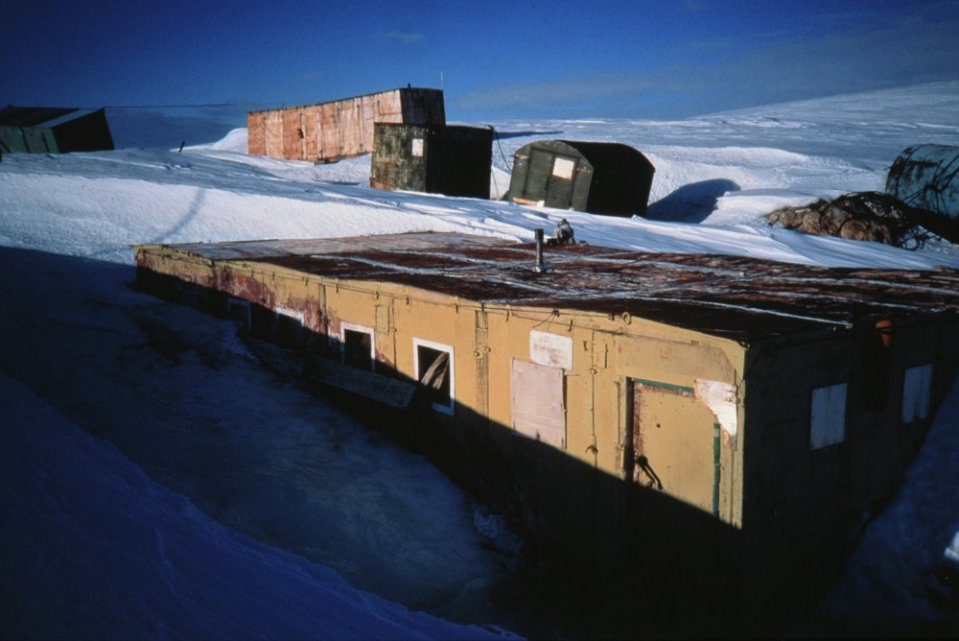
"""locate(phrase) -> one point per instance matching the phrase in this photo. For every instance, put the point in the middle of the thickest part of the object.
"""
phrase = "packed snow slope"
(158, 483)
(721, 172)
(95, 549)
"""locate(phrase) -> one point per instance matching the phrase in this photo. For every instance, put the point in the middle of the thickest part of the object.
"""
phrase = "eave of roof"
(346, 99)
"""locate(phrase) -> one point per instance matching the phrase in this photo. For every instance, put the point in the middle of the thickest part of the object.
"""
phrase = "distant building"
(597, 177)
(330, 131)
(42, 130)
(712, 421)
(441, 159)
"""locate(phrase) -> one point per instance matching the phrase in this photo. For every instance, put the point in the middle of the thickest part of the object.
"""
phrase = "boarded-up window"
(827, 425)
(357, 346)
(916, 393)
(538, 402)
(434, 371)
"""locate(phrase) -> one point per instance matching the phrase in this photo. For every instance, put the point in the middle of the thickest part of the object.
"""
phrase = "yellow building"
(742, 415)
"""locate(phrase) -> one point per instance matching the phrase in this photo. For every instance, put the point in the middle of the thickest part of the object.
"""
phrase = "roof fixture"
(540, 266)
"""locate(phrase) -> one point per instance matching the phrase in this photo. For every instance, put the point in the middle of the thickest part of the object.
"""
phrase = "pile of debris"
(868, 215)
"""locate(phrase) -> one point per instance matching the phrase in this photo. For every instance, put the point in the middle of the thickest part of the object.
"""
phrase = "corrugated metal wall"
(256, 133)
(339, 129)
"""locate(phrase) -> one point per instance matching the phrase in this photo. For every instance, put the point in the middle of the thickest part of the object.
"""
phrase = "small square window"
(358, 348)
(827, 424)
(916, 393)
(434, 371)
(563, 168)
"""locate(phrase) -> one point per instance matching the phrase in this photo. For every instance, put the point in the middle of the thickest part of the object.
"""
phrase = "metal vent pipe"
(540, 266)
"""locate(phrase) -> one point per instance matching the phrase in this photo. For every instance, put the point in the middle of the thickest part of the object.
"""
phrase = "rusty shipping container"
(450, 160)
(331, 131)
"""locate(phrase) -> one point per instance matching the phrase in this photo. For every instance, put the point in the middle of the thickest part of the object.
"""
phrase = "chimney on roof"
(540, 266)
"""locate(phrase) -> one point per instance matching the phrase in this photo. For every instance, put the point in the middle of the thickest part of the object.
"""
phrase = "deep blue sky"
(495, 60)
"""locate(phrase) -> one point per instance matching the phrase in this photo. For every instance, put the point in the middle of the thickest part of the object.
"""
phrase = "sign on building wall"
(563, 168)
(553, 350)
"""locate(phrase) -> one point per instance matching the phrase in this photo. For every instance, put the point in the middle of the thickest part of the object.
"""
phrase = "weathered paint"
(603, 178)
(330, 131)
(450, 160)
(623, 372)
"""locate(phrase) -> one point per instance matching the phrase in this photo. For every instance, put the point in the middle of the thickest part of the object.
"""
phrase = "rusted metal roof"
(736, 297)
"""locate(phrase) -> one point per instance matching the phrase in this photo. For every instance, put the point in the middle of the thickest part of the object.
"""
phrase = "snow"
(158, 483)
(93, 548)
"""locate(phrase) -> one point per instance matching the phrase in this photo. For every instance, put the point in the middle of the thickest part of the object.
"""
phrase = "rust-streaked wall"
(768, 504)
(339, 129)
(605, 355)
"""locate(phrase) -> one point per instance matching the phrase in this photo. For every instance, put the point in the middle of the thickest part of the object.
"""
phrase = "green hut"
(598, 177)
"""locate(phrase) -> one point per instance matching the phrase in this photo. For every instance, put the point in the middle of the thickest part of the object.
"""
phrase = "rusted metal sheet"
(246, 287)
(310, 123)
(339, 129)
(293, 133)
(730, 296)
(256, 134)
(273, 133)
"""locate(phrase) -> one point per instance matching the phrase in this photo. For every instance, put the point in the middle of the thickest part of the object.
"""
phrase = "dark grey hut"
(441, 159)
(598, 177)
(41, 130)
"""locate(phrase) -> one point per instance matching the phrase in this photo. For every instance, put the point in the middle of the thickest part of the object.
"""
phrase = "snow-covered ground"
(158, 483)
